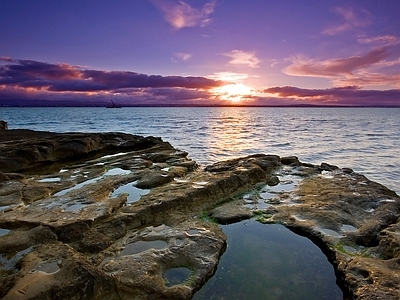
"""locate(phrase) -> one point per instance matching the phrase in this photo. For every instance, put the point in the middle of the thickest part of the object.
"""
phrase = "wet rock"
(3, 125)
(153, 179)
(66, 234)
(290, 160)
(55, 271)
(42, 148)
(231, 212)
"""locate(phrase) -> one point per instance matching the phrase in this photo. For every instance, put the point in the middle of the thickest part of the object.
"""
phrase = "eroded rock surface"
(110, 216)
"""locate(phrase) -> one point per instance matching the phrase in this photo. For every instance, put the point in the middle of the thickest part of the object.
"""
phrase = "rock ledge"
(109, 215)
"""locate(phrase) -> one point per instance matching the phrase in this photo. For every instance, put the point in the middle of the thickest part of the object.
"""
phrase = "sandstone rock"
(45, 147)
(67, 234)
(231, 212)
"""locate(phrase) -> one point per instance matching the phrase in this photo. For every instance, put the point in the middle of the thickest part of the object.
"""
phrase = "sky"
(195, 52)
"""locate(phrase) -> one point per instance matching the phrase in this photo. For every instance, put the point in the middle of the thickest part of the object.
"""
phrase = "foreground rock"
(111, 216)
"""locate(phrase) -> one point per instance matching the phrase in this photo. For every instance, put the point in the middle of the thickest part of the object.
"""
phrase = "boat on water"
(113, 105)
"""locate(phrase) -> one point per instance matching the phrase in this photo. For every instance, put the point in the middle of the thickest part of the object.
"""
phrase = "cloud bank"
(29, 82)
(32, 79)
(342, 96)
(64, 77)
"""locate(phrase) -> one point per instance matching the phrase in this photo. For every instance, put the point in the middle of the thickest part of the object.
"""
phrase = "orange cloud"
(369, 79)
(346, 96)
(335, 67)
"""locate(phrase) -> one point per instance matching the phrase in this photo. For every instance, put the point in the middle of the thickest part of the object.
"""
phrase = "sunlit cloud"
(243, 58)
(273, 62)
(228, 76)
(370, 69)
(181, 57)
(302, 66)
(64, 77)
(384, 39)
(179, 14)
(369, 79)
(346, 96)
(351, 19)
(32, 80)
(389, 63)
(39, 82)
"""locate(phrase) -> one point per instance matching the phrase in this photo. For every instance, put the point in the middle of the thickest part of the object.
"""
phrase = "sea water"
(364, 139)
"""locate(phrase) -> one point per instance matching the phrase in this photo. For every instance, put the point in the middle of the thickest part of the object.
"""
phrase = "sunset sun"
(235, 92)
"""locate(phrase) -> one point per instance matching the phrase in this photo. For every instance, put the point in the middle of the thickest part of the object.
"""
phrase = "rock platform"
(110, 215)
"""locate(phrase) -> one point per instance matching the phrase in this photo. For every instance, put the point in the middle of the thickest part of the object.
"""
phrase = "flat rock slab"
(117, 216)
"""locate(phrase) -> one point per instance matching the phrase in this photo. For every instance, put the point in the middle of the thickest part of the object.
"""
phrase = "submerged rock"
(65, 233)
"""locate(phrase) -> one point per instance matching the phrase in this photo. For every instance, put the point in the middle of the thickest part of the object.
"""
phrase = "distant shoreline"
(172, 105)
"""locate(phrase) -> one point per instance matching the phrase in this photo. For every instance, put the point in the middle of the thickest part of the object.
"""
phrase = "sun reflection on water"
(231, 131)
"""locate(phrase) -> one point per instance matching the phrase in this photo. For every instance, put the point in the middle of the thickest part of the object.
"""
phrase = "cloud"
(351, 19)
(228, 76)
(181, 57)
(302, 66)
(370, 69)
(64, 77)
(28, 79)
(383, 39)
(180, 14)
(243, 58)
(369, 79)
(346, 96)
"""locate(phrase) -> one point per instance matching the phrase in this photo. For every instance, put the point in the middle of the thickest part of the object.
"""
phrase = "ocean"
(364, 139)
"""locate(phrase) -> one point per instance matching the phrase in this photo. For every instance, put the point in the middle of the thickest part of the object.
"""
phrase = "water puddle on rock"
(4, 231)
(111, 172)
(140, 246)
(53, 179)
(78, 186)
(117, 171)
(272, 195)
(177, 276)
(134, 192)
(270, 262)
(48, 267)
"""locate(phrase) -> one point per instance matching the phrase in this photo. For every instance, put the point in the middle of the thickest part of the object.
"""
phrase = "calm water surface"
(364, 139)
(270, 262)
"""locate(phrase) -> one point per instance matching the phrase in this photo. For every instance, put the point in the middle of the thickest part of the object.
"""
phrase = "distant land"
(52, 103)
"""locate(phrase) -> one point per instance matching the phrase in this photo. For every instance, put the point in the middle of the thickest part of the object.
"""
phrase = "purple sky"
(193, 52)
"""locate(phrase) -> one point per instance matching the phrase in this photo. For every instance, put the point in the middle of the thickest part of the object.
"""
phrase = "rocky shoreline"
(108, 215)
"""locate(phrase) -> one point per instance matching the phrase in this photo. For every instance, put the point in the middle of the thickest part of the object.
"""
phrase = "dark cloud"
(68, 78)
(348, 96)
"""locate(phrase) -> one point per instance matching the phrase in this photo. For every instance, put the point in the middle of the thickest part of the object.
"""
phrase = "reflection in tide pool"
(134, 192)
(270, 262)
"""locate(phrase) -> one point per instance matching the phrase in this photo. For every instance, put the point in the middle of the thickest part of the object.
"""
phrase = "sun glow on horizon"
(235, 92)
